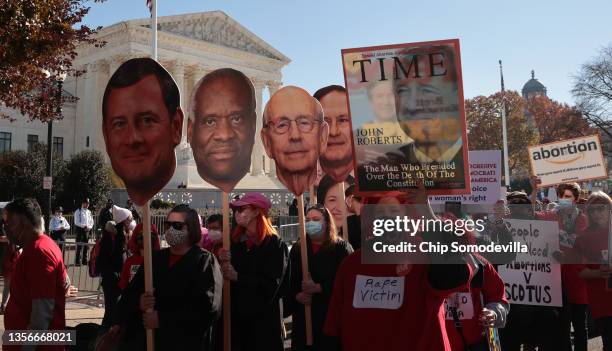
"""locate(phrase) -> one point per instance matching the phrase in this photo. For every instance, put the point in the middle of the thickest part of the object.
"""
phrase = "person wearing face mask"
(214, 225)
(575, 297)
(186, 301)
(325, 253)
(256, 265)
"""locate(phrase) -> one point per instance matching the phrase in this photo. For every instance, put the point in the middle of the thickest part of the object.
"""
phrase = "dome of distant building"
(533, 87)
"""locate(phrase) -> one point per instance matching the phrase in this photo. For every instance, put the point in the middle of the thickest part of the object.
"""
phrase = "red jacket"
(574, 286)
(392, 312)
(592, 244)
(488, 287)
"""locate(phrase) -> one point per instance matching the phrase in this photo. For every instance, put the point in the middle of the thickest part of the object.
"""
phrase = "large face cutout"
(221, 127)
(294, 134)
(337, 160)
(428, 106)
(142, 122)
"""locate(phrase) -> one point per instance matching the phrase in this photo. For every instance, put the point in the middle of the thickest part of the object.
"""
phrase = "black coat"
(322, 266)
(111, 256)
(187, 300)
(262, 273)
(353, 223)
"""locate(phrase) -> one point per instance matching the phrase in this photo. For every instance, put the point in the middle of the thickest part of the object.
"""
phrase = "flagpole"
(504, 129)
(154, 29)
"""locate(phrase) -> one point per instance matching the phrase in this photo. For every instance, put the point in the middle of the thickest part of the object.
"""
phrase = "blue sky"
(552, 37)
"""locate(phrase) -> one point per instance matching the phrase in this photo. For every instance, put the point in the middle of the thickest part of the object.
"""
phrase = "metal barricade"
(79, 274)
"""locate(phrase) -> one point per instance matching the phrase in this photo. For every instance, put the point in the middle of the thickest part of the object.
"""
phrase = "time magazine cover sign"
(408, 117)
(565, 161)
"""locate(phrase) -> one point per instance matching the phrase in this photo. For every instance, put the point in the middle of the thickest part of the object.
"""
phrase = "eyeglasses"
(175, 225)
(282, 126)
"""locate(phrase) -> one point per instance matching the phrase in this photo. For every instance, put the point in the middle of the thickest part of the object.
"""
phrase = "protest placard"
(408, 119)
(533, 278)
(565, 161)
(485, 182)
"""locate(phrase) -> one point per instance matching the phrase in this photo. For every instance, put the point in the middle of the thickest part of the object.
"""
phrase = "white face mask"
(176, 237)
(214, 235)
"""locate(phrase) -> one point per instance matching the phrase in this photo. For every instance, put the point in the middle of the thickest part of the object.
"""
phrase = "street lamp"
(60, 77)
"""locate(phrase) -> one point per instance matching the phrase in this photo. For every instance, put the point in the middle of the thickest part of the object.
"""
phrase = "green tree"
(22, 175)
(87, 175)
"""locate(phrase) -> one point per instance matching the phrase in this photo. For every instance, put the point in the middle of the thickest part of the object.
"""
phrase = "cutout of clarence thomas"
(221, 127)
(294, 146)
(141, 123)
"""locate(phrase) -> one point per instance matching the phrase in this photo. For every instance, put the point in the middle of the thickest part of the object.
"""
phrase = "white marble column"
(102, 78)
(81, 108)
(258, 151)
(273, 86)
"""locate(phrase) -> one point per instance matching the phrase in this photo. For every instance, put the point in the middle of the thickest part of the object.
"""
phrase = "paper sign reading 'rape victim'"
(378, 292)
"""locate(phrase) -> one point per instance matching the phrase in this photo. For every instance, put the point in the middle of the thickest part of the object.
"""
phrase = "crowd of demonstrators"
(58, 226)
(325, 251)
(187, 292)
(257, 266)
(83, 222)
(443, 307)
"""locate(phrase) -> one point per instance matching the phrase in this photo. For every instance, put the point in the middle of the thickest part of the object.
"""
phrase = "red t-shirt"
(470, 306)
(406, 313)
(130, 267)
(574, 286)
(594, 244)
(39, 274)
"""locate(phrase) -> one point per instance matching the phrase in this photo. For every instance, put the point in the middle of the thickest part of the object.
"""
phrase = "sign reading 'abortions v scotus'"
(408, 117)
(572, 160)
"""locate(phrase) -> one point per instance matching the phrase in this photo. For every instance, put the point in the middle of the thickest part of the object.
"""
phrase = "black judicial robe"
(188, 300)
(262, 280)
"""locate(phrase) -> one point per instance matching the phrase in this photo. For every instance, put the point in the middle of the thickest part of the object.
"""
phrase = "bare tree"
(593, 90)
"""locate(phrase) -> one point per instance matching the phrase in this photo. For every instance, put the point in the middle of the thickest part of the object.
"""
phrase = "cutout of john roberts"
(221, 127)
(141, 123)
(294, 146)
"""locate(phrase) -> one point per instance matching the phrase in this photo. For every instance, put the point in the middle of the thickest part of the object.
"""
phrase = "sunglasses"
(175, 225)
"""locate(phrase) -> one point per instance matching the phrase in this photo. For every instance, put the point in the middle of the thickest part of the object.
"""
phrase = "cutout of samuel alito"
(221, 127)
(337, 160)
(141, 123)
(294, 134)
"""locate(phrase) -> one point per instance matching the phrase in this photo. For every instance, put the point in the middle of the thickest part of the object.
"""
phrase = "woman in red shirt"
(136, 249)
(594, 247)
